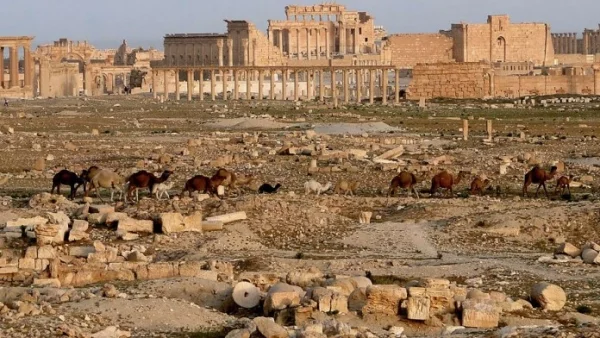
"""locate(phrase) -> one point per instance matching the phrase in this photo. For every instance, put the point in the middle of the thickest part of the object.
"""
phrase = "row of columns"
(313, 41)
(360, 76)
(14, 67)
(565, 43)
(591, 42)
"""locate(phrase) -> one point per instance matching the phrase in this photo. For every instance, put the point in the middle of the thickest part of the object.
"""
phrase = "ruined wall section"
(264, 52)
(518, 86)
(406, 50)
(450, 80)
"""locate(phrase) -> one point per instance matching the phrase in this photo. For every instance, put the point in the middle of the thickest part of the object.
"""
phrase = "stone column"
(245, 48)
(309, 85)
(190, 84)
(88, 81)
(236, 86)
(575, 51)
(371, 86)
(342, 48)
(29, 68)
(225, 84)
(14, 67)
(356, 42)
(254, 52)
(397, 86)
(465, 130)
(597, 80)
(490, 129)
(2, 67)
(165, 84)
(327, 44)
(260, 84)
(272, 88)
(201, 84)
(248, 85)
(230, 52)
(345, 84)
(220, 51)
(213, 85)
(284, 77)
(280, 41)
(321, 85)
(177, 95)
(359, 83)
(318, 43)
(296, 87)
(384, 84)
(334, 94)
(298, 43)
(154, 94)
(308, 56)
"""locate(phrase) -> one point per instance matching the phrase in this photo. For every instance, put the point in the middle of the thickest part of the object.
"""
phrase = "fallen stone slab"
(212, 225)
(228, 218)
(548, 296)
(134, 225)
(480, 313)
(175, 222)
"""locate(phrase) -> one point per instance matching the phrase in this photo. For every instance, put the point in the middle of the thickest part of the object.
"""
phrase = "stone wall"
(477, 81)
(60, 79)
(575, 59)
(451, 80)
(406, 50)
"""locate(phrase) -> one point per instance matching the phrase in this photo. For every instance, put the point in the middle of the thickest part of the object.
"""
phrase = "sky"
(143, 23)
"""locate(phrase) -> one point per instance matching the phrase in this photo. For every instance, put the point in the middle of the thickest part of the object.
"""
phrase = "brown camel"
(563, 183)
(404, 180)
(478, 185)
(143, 179)
(539, 176)
(445, 180)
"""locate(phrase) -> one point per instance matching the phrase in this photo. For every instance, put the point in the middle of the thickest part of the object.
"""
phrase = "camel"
(143, 179)
(404, 180)
(478, 185)
(539, 176)
(445, 180)
(563, 183)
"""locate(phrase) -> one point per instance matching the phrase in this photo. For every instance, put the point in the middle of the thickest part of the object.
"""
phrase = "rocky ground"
(483, 253)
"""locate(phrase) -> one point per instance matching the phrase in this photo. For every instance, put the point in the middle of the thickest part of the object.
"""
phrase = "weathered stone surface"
(280, 300)
(268, 328)
(568, 249)
(46, 282)
(310, 277)
(357, 299)
(134, 225)
(549, 296)
(418, 308)
(228, 218)
(590, 256)
(480, 314)
(81, 251)
(79, 225)
(101, 209)
(175, 222)
(113, 217)
(384, 299)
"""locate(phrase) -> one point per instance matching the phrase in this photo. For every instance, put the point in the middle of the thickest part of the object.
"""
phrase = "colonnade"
(13, 66)
(346, 84)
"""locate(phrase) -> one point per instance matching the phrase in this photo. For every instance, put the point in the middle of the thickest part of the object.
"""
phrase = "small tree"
(136, 78)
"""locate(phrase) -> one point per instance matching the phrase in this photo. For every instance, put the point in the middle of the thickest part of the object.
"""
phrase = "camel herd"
(94, 178)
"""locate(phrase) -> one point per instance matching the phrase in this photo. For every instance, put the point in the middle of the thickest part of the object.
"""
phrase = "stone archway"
(500, 50)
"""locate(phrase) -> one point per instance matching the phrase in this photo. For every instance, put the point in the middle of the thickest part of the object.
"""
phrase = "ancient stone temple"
(16, 80)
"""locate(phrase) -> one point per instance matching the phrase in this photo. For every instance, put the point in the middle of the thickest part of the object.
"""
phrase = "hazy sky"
(144, 22)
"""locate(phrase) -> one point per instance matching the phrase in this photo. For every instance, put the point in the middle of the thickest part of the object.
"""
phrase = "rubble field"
(292, 264)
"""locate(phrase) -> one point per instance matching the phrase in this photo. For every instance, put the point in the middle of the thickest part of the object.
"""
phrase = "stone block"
(46, 282)
(418, 308)
(113, 217)
(27, 263)
(175, 222)
(549, 296)
(269, 329)
(384, 299)
(101, 209)
(31, 252)
(78, 235)
(81, 251)
(480, 314)
(280, 300)
(568, 249)
(134, 225)
(79, 225)
(590, 256)
(8, 270)
(357, 299)
(97, 219)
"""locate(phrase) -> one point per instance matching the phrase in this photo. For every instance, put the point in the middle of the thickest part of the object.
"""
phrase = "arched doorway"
(500, 50)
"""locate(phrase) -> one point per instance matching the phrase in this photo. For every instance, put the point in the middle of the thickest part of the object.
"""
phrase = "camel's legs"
(545, 190)
(538, 190)
(416, 192)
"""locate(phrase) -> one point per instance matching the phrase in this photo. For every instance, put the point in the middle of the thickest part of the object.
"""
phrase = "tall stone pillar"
(327, 44)
(575, 51)
(318, 43)
(308, 53)
(261, 75)
(371, 86)
(280, 41)
(246, 54)
(309, 85)
(201, 83)
(165, 84)
(356, 42)
(298, 43)
(296, 86)
(28, 73)
(220, 51)
(272, 88)
(154, 94)
(14, 67)
(359, 83)
(190, 84)
(236, 85)
(384, 85)
(2, 67)
(44, 76)
(345, 84)
(177, 95)
(397, 86)
(213, 85)
(284, 78)
(254, 50)
(597, 80)
(248, 85)
(88, 81)
(230, 52)
(342, 48)
(321, 85)
(334, 94)
(225, 84)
